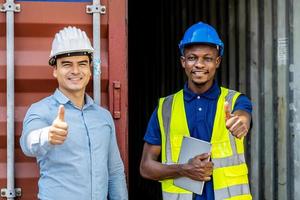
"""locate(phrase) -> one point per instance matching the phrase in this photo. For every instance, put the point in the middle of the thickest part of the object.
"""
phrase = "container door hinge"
(96, 9)
(10, 6)
(17, 192)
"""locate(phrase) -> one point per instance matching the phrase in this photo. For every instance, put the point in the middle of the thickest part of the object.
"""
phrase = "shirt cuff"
(38, 143)
(44, 139)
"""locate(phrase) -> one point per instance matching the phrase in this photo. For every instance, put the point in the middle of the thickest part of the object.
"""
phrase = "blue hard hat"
(201, 33)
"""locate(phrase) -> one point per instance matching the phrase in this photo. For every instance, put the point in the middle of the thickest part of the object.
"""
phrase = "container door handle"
(116, 99)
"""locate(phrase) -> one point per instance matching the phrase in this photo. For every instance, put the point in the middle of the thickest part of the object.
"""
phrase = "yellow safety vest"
(230, 173)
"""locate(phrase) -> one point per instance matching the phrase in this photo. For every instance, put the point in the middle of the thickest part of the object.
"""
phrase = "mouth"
(75, 79)
(199, 73)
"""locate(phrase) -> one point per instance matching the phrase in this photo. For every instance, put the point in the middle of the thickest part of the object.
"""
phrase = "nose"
(75, 69)
(199, 62)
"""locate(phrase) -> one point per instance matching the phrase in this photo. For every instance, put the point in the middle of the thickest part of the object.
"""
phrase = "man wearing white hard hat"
(72, 138)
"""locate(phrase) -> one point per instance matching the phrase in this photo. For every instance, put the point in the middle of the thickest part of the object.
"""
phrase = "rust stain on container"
(35, 27)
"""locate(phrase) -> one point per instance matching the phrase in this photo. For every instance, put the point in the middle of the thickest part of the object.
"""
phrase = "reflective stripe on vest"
(231, 191)
(227, 156)
(235, 159)
(177, 196)
(230, 174)
(167, 154)
(166, 114)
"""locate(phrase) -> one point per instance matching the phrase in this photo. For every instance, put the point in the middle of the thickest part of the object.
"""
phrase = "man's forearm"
(158, 171)
(35, 143)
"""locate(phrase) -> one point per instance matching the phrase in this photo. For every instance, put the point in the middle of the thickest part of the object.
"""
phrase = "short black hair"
(52, 60)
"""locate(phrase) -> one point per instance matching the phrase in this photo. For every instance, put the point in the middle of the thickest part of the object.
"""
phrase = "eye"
(191, 58)
(208, 59)
(83, 64)
(66, 65)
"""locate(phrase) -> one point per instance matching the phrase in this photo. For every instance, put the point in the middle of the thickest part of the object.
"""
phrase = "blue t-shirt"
(200, 111)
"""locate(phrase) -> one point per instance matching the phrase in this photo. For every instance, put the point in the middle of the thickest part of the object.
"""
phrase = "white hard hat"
(69, 41)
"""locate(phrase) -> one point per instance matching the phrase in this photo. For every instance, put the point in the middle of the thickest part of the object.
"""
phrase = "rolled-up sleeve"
(34, 138)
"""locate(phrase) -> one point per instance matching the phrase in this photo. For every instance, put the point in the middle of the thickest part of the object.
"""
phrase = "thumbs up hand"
(238, 123)
(58, 131)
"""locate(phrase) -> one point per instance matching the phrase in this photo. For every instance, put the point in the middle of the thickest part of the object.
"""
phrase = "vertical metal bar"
(223, 30)
(10, 102)
(241, 47)
(232, 45)
(10, 7)
(255, 96)
(295, 106)
(282, 116)
(96, 56)
(268, 125)
(204, 11)
(212, 10)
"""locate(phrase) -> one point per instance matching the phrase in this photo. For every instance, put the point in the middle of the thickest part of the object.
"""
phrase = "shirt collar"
(212, 93)
(62, 99)
(88, 101)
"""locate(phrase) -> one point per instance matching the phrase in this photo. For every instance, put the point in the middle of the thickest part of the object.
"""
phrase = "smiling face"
(200, 62)
(73, 74)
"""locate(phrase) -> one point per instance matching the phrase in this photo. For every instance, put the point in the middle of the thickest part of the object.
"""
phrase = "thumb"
(227, 110)
(61, 113)
(203, 156)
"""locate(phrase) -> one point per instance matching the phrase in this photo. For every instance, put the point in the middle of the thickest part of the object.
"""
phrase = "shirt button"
(198, 97)
(200, 109)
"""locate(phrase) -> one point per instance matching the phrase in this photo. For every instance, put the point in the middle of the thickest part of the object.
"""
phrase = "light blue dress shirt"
(87, 166)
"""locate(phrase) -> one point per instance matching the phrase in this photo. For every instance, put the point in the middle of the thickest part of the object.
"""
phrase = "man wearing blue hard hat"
(203, 110)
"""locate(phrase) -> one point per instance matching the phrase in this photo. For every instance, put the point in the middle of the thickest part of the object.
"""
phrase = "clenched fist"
(58, 131)
(238, 123)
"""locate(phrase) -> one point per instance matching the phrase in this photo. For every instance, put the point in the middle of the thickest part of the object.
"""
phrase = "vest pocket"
(221, 149)
(236, 175)
(229, 176)
(237, 170)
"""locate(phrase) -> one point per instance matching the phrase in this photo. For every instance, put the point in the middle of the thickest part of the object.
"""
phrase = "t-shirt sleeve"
(243, 103)
(152, 135)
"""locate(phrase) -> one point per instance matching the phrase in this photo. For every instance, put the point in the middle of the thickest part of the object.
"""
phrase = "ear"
(54, 71)
(91, 68)
(182, 60)
(218, 61)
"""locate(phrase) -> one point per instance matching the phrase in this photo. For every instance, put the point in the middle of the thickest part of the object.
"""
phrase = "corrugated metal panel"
(117, 71)
(260, 43)
(255, 73)
(35, 27)
(295, 104)
(271, 147)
